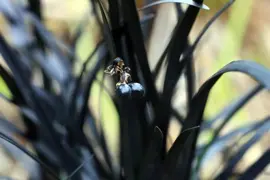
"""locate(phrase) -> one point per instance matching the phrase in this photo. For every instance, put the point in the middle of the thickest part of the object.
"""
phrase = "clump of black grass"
(55, 112)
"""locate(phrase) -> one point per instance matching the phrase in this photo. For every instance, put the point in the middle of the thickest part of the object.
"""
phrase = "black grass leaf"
(159, 64)
(58, 63)
(56, 114)
(5, 97)
(107, 31)
(79, 31)
(16, 94)
(189, 2)
(9, 128)
(232, 108)
(149, 164)
(13, 60)
(227, 114)
(88, 84)
(172, 162)
(190, 79)
(146, 22)
(222, 141)
(134, 32)
(16, 67)
(126, 137)
(31, 166)
(78, 82)
(6, 138)
(178, 43)
(232, 162)
(35, 8)
(223, 118)
(255, 169)
(190, 50)
(194, 117)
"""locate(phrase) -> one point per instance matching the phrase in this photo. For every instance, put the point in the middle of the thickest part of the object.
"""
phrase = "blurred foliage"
(232, 42)
(66, 18)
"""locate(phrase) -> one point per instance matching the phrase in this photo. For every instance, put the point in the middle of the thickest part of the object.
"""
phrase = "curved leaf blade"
(241, 152)
(189, 2)
(232, 108)
(190, 50)
(48, 169)
(253, 171)
(194, 118)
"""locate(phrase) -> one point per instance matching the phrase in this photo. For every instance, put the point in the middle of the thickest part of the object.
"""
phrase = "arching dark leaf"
(190, 50)
(222, 141)
(3, 136)
(172, 161)
(194, 117)
(189, 2)
(230, 110)
(107, 31)
(254, 170)
(233, 161)
(9, 128)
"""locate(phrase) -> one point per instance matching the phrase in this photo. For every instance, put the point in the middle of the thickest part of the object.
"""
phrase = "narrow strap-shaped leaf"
(223, 140)
(35, 7)
(6, 125)
(161, 60)
(165, 52)
(107, 31)
(194, 118)
(6, 178)
(69, 177)
(190, 71)
(190, 50)
(90, 78)
(15, 64)
(51, 65)
(146, 18)
(76, 89)
(146, 14)
(189, 2)
(174, 69)
(79, 31)
(6, 138)
(172, 160)
(132, 21)
(126, 158)
(32, 100)
(103, 142)
(49, 39)
(225, 119)
(233, 161)
(178, 42)
(178, 116)
(254, 170)
(17, 96)
(117, 29)
(190, 79)
(230, 110)
(148, 165)
(5, 97)
(10, 11)
(7, 8)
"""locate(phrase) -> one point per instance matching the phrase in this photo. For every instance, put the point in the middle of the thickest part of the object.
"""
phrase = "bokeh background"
(242, 32)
